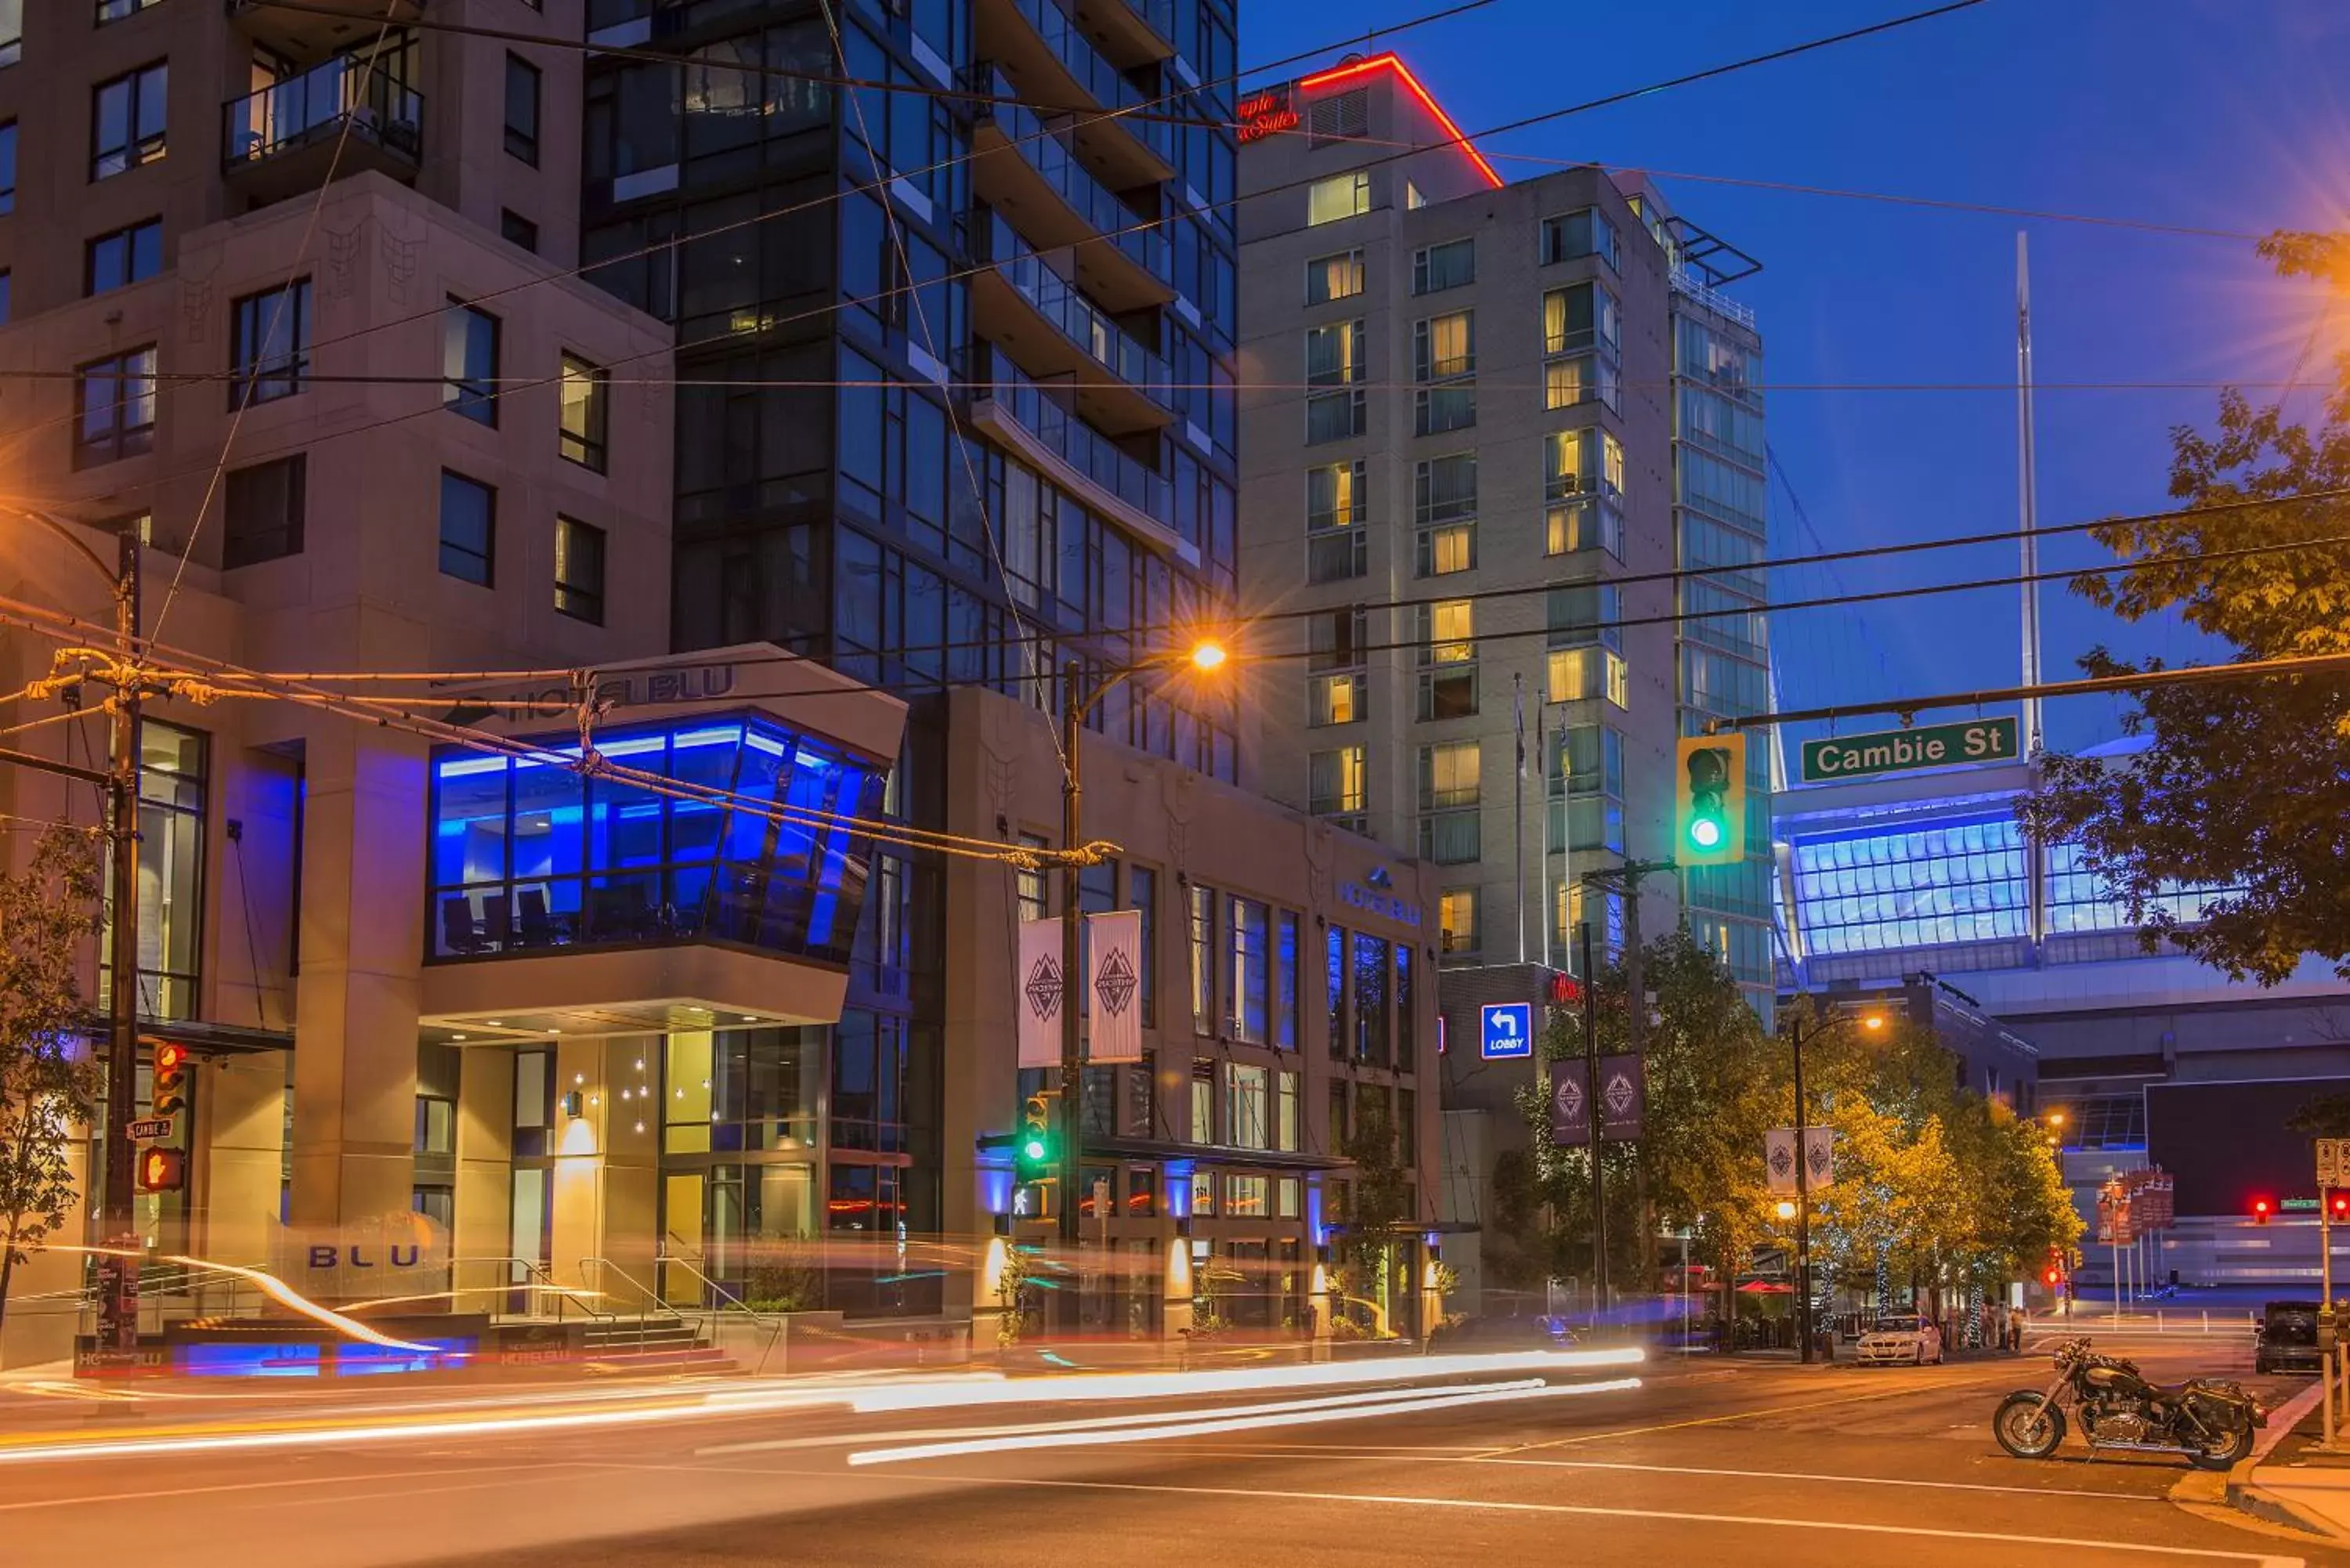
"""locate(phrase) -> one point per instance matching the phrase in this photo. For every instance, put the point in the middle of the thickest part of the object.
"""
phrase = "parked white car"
(1903, 1339)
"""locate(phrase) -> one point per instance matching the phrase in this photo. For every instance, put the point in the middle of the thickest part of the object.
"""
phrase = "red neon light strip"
(1390, 62)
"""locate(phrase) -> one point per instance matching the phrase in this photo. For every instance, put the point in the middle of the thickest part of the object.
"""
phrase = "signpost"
(2330, 1174)
(1901, 751)
(1506, 1031)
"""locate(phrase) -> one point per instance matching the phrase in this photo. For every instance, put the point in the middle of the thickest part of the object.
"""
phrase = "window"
(1251, 974)
(1029, 886)
(261, 512)
(12, 31)
(1203, 1121)
(1583, 790)
(1413, 199)
(1582, 316)
(1448, 660)
(1585, 613)
(1580, 233)
(114, 408)
(1335, 699)
(1201, 909)
(436, 1124)
(1406, 1023)
(5, 290)
(1370, 999)
(8, 167)
(123, 257)
(1334, 996)
(1337, 546)
(1444, 514)
(1448, 265)
(1284, 999)
(469, 517)
(127, 121)
(1339, 196)
(1334, 416)
(1583, 486)
(1334, 782)
(517, 230)
(587, 390)
(1339, 117)
(1444, 346)
(1285, 1113)
(579, 570)
(1583, 674)
(1336, 639)
(1335, 277)
(173, 773)
(1333, 358)
(108, 10)
(1247, 1109)
(1142, 897)
(1456, 920)
(522, 109)
(1448, 796)
(469, 363)
(1582, 378)
(270, 352)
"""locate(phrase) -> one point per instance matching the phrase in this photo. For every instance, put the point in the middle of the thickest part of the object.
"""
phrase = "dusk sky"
(2205, 114)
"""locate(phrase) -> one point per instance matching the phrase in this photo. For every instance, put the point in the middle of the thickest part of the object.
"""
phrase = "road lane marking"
(1673, 1516)
(1267, 1452)
(1734, 1415)
(360, 1479)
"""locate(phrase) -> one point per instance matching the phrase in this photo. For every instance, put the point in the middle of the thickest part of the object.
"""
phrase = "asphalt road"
(1738, 1464)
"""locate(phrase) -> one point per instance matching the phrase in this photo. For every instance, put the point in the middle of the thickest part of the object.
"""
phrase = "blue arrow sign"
(1508, 1030)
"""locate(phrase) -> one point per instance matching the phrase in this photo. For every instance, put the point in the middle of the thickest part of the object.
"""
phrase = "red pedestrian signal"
(2340, 1206)
(2053, 1277)
(2261, 1207)
(162, 1170)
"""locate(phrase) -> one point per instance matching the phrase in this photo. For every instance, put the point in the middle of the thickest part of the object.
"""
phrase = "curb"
(2245, 1496)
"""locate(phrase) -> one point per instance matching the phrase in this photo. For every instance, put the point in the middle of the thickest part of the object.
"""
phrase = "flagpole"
(1518, 792)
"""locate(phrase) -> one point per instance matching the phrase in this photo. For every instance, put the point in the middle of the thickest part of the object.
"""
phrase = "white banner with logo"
(1114, 986)
(1819, 1157)
(1779, 1158)
(1039, 993)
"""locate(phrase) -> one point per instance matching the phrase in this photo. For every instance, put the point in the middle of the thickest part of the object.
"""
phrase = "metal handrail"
(537, 1273)
(775, 1324)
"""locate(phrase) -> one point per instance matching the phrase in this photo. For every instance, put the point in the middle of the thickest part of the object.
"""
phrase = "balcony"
(284, 140)
(306, 33)
(1031, 174)
(1130, 32)
(1053, 62)
(1036, 425)
(1055, 334)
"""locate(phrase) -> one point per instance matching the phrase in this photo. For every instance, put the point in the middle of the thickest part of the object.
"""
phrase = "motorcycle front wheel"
(2025, 1427)
(2226, 1454)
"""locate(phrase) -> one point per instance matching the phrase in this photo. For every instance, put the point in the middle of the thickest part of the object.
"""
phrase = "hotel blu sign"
(1376, 895)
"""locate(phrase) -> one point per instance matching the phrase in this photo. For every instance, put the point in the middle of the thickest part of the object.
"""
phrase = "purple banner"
(1570, 1105)
(1623, 1097)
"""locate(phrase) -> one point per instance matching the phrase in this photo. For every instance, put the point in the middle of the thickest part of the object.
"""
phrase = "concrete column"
(484, 1199)
(243, 1103)
(363, 846)
(606, 1187)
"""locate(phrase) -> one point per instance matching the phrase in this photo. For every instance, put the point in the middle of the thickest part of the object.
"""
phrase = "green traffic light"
(1032, 1149)
(1705, 832)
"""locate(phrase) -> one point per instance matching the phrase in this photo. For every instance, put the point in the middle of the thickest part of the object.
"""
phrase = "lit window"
(1456, 920)
(579, 570)
(1335, 699)
(1582, 674)
(585, 391)
(1339, 196)
(1335, 784)
(1330, 278)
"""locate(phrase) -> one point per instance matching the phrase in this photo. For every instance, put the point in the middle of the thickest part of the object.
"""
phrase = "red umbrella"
(1764, 1288)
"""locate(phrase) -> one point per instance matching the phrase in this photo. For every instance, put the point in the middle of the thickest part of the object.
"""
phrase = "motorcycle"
(2209, 1420)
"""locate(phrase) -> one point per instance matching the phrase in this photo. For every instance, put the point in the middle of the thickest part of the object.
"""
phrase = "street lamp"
(1205, 654)
(1873, 1023)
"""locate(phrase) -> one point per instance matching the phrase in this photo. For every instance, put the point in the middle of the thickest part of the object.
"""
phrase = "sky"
(2205, 114)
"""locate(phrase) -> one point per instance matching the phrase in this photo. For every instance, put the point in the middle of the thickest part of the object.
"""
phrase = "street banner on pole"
(1819, 1157)
(1037, 994)
(1114, 957)
(1623, 1097)
(1570, 1105)
(1779, 1158)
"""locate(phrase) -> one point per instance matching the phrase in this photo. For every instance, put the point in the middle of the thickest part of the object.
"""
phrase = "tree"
(47, 912)
(1379, 1204)
(2244, 785)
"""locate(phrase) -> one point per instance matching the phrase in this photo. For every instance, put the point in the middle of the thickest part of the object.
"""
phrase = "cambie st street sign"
(1898, 751)
(146, 1127)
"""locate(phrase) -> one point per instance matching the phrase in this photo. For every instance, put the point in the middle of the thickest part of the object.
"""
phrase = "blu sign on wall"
(1507, 1030)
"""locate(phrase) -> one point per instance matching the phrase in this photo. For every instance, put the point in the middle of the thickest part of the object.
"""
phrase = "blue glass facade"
(528, 857)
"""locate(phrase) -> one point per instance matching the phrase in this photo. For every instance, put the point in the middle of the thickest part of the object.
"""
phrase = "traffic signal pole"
(1802, 1205)
(1073, 710)
(118, 1267)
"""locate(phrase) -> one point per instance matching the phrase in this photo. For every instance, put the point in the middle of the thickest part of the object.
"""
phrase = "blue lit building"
(1884, 882)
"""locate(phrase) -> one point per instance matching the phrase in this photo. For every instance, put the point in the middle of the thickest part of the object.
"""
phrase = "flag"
(1623, 1097)
(1518, 710)
(1819, 1157)
(1039, 993)
(1114, 984)
(1570, 1105)
(1779, 1158)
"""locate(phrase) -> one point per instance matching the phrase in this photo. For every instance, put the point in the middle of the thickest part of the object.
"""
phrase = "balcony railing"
(1079, 321)
(317, 105)
(1078, 445)
(1140, 240)
(1686, 282)
(1102, 82)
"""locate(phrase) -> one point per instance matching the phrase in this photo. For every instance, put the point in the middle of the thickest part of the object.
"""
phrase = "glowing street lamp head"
(1209, 654)
(1872, 1022)
(1786, 1208)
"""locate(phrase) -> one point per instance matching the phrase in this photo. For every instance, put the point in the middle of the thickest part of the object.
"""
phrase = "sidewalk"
(2287, 1479)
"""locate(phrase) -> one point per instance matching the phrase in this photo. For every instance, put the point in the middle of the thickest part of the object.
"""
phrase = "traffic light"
(162, 1170)
(2261, 1207)
(2053, 1275)
(1710, 800)
(169, 1095)
(1036, 1152)
(2338, 1206)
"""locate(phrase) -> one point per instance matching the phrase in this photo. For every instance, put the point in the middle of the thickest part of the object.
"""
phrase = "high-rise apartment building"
(1486, 422)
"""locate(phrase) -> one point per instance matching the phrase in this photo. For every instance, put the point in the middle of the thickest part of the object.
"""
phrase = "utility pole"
(1803, 1207)
(118, 1300)
(1073, 1066)
(1591, 1104)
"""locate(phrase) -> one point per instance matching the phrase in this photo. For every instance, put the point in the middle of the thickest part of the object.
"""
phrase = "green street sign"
(1898, 751)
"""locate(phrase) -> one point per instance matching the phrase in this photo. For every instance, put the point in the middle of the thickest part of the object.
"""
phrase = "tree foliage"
(1935, 1183)
(2244, 785)
(47, 912)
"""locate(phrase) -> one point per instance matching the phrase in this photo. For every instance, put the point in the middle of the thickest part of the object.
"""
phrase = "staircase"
(655, 1343)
